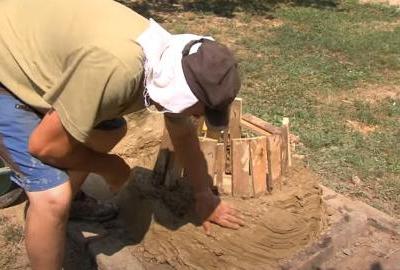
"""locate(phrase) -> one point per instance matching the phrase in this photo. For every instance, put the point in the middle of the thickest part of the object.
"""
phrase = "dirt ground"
(162, 229)
(157, 225)
(277, 226)
(390, 2)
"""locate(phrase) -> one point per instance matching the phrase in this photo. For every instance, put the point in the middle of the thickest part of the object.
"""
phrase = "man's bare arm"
(184, 138)
(52, 144)
(208, 206)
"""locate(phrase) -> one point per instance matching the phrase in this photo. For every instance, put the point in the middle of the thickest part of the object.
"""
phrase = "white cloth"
(164, 79)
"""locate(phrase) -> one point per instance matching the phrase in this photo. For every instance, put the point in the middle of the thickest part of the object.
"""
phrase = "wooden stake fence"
(241, 167)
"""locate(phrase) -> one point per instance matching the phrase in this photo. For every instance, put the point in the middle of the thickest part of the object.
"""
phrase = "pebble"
(347, 251)
(356, 180)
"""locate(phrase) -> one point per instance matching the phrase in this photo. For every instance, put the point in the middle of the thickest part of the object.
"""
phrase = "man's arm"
(209, 207)
(184, 138)
(52, 144)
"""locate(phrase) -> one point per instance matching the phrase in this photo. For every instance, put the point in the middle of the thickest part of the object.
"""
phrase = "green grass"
(316, 53)
(319, 50)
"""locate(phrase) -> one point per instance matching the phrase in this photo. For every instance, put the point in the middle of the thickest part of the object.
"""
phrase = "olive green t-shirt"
(78, 57)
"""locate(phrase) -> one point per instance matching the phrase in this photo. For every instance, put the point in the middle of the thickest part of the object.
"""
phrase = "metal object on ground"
(5, 182)
(9, 193)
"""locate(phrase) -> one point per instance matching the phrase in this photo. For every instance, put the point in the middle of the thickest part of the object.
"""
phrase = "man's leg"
(49, 190)
(48, 214)
(45, 226)
(102, 139)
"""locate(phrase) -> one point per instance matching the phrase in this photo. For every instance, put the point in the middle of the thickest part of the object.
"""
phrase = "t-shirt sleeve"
(96, 86)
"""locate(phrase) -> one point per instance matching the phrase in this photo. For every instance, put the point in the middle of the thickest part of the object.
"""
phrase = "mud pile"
(160, 222)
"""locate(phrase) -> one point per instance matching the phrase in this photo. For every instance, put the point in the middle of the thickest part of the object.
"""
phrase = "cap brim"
(217, 119)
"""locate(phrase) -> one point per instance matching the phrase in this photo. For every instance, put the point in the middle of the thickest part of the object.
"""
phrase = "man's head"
(196, 72)
(212, 75)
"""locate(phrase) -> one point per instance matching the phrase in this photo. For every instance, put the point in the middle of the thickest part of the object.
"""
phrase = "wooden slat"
(261, 124)
(234, 120)
(274, 143)
(258, 165)
(227, 185)
(259, 131)
(161, 166)
(241, 179)
(168, 169)
(213, 134)
(209, 149)
(285, 123)
(228, 153)
(285, 151)
(220, 167)
(174, 171)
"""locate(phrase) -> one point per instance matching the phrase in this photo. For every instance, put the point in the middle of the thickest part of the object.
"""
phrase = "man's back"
(55, 50)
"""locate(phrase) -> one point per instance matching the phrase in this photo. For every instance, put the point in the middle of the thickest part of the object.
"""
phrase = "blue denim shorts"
(17, 121)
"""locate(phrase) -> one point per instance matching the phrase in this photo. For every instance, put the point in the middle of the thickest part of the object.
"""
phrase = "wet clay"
(162, 228)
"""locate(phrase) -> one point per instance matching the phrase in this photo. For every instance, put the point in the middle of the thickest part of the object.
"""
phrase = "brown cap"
(213, 77)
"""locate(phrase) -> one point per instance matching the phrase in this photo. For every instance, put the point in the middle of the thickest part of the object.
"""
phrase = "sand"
(162, 228)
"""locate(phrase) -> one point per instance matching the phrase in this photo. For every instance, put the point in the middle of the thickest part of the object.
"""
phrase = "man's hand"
(212, 210)
(208, 206)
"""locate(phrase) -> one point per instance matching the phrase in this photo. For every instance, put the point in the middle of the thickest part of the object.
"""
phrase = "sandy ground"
(390, 2)
(277, 226)
(162, 230)
(158, 227)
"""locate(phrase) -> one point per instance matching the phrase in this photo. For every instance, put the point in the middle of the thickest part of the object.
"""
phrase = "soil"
(157, 225)
(371, 94)
(390, 2)
(163, 231)
(13, 254)
(278, 225)
(360, 127)
(376, 250)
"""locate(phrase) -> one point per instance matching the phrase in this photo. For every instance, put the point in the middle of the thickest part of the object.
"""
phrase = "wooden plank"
(213, 134)
(274, 143)
(234, 119)
(285, 151)
(227, 185)
(228, 152)
(258, 165)
(220, 167)
(209, 149)
(174, 171)
(248, 125)
(261, 124)
(161, 166)
(241, 179)
(285, 123)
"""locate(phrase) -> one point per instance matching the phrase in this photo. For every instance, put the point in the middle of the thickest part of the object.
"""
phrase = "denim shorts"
(17, 121)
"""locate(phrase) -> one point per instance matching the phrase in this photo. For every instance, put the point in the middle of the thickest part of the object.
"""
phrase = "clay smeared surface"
(163, 232)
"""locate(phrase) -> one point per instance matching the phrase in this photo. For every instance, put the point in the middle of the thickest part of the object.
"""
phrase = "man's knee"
(55, 202)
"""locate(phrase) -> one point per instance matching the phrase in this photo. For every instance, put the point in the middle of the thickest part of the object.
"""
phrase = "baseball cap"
(212, 75)
(183, 69)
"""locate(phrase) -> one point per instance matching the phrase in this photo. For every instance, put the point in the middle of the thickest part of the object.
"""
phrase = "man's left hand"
(212, 210)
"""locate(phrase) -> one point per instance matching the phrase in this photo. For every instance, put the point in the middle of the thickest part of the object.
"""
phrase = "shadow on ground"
(144, 201)
(224, 8)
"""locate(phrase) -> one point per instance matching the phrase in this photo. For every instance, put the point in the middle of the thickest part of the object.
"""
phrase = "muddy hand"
(212, 210)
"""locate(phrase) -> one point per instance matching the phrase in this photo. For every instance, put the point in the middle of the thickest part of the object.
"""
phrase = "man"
(69, 70)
